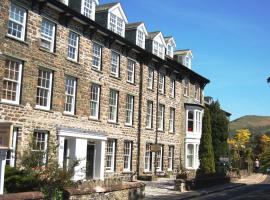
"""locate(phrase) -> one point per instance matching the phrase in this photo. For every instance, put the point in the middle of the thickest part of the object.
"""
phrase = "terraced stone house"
(110, 94)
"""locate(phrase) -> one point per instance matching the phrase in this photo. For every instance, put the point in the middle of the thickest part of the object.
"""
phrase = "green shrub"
(20, 181)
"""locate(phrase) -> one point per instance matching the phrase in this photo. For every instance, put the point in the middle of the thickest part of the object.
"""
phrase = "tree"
(206, 154)
(239, 145)
(219, 126)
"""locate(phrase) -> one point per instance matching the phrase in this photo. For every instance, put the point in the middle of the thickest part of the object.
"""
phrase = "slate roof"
(167, 38)
(105, 7)
(181, 52)
(151, 35)
(133, 25)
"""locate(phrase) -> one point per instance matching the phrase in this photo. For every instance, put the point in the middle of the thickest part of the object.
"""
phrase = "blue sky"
(230, 41)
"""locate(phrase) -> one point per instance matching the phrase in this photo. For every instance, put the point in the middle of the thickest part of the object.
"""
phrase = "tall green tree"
(206, 153)
(219, 125)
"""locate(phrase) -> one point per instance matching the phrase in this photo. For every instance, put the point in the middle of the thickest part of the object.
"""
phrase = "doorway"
(90, 160)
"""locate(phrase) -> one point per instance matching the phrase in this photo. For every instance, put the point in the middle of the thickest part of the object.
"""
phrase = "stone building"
(77, 74)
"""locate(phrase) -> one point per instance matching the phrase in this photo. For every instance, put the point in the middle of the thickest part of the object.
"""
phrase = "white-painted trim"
(118, 5)
(81, 134)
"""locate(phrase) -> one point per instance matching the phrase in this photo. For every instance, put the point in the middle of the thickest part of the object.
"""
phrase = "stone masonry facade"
(27, 118)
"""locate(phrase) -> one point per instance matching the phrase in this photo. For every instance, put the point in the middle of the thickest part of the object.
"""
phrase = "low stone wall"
(124, 191)
(23, 196)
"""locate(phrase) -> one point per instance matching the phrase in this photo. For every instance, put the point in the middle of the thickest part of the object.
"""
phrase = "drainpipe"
(139, 118)
(156, 139)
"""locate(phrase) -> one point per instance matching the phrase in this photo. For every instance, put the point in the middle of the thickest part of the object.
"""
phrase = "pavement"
(164, 189)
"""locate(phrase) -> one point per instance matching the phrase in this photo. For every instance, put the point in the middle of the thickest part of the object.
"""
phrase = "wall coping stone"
(98, 189)
(23, 196)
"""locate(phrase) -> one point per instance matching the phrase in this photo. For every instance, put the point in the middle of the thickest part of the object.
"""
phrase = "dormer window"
(116, 24)
(158, 49)
(170, 46)
(140, 39)
(88, 8)
(188, 62)
(170, 50)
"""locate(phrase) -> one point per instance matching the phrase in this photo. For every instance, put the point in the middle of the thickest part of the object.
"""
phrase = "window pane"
(130, 71)
(127, 156)
(73, 40)
(47, 34)
(149, 114)
(70, 94)
(16, 23)
(115, 63)
(44, 88)
(113, 103)
(129, 109)
(94, 101)
(97, 49)
(11, 81)
(150, 78)
(87, 8)
(110, 155)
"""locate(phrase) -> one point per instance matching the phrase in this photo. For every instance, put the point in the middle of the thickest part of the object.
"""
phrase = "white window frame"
(161, 112)
(69, 79)
(190, 156)
(97, 56)
(140, 38)
(160, 157)
(198, 121)
(131, 71)
(172, 120)
(115, 63)
(161, 84)
(170, 50)
(170, 158)
(49, 89)
(127, 155)
(155, 48)
(186, 87)
(149, 114)
(147, 158)
(88, 11)
(16, 22)
(129, 110)
(111, 154)
(94, 102)
(197, 92)
(12, 151)
(113, 108)
(187, 61)
(45, 141)
(150, 78)
(116, 24)
(172, 88)
(66, 2)
(9, 61)
(72, 46)
(160, 50)
(190, 120)
(46, 37)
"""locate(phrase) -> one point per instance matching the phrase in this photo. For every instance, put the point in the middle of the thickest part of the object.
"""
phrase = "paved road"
(259, 191)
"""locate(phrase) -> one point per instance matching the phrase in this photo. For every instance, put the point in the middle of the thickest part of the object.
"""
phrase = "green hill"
(256, 124)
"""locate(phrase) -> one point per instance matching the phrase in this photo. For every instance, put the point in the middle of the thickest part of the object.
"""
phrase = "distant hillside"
(256, 124)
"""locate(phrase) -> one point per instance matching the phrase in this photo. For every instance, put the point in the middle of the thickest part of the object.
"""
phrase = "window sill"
(109, 171)
(162, 94)
(131, 83)
(147, 172)
(11, 104)
(16, 39)
(149, 89)
(94, 119)
(127, 172)
(47, 51)
(161, 131)
(43, 109)
(96, 70)
(129, 125)
(70, 115)
(111, 122)
(112, 76)
(172, 132)
(186, 96)
(73, 61)
(150, 129)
